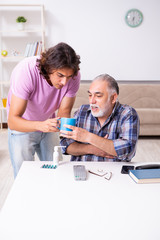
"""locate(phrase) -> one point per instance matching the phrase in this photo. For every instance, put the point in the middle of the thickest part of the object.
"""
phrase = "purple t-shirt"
(42, 99)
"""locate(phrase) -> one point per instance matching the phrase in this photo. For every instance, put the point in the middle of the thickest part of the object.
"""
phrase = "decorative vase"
(4, 101)
(20, 26)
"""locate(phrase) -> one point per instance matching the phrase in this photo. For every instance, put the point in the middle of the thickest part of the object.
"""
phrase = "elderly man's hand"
(98, 152)
(77, 134)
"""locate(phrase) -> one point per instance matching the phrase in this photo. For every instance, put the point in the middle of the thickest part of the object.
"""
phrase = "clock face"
(134, 18)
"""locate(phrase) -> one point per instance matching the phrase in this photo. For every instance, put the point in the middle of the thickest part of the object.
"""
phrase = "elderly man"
(105, 130)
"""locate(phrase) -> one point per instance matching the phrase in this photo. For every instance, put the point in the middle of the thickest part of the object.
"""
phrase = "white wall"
(96, 29)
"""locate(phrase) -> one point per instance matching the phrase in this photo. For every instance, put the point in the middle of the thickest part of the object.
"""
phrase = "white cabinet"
(15, 41)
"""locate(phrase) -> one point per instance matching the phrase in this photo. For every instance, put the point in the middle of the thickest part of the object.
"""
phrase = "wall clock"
(134, 17)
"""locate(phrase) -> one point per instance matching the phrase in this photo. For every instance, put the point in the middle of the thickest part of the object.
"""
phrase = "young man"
(39, 87)
(105, 130)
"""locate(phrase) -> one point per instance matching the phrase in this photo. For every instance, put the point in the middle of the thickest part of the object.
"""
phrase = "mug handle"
(59, 120)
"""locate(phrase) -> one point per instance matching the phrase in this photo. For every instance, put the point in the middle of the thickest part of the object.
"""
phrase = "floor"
(148, 150)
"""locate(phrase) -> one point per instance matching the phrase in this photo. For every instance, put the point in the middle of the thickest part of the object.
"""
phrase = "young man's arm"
(16, 122)
(66, 107)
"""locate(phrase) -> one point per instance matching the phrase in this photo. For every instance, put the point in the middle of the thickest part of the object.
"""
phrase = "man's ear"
(114, 97)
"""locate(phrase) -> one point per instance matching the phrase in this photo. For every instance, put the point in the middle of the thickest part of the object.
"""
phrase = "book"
(31, 50)
(35, 48)
(145, 175)
(27, 50)
(39, 50)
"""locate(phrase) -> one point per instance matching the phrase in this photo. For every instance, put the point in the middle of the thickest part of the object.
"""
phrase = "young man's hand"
(50, 125)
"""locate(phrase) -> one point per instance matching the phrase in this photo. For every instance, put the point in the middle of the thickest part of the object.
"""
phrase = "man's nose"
(92, 100)
(64, 81)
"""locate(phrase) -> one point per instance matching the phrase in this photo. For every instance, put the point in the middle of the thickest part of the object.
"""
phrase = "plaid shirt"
(122, 127)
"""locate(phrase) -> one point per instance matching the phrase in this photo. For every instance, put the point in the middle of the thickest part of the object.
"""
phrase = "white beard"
(102, 112)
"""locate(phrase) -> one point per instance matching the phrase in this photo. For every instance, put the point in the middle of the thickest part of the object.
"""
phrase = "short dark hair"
(112, 83)
(58, 57)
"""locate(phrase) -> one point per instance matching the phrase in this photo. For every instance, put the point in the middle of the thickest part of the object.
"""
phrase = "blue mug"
(68, 121)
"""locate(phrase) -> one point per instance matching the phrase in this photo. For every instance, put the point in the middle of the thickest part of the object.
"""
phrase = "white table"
(49, 204)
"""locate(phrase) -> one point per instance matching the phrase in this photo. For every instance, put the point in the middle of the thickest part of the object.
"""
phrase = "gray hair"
(112, 83)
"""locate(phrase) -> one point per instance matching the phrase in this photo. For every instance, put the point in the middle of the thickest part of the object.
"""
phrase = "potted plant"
(20, 21)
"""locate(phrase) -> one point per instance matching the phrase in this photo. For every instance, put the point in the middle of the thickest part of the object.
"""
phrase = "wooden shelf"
(16, 41)
(5, 82)
(21, 31)
(21, 5)
(12, 58)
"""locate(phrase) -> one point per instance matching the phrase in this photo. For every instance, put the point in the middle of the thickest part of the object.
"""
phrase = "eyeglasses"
(106, 175)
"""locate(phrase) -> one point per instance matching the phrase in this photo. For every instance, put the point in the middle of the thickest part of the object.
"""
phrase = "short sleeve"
(22, 80)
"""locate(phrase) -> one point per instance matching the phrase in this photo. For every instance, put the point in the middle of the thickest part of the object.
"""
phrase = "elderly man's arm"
(125, 144)
(79, 149)
(96, 145)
